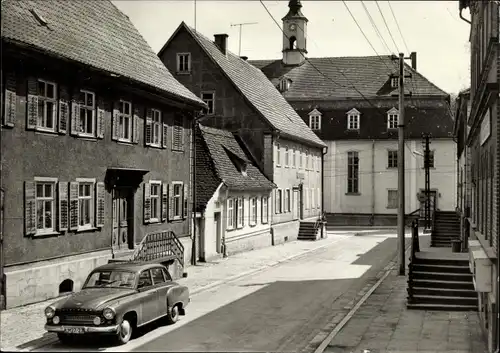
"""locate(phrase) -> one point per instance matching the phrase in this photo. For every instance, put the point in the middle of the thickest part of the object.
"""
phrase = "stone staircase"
(309, 231)
(443, 283)
(446, 228)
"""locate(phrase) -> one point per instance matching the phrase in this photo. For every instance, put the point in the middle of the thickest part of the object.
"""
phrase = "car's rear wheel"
(125, 331)
(64, 338)
(173, 314)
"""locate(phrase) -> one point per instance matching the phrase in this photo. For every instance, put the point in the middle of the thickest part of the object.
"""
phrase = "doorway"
(301, 201)
(295, 204)
(123, 215)
(217, 229)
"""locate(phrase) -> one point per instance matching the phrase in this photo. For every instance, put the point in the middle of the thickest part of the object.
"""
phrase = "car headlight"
(108, 313)
(56, 320)
(49, 312)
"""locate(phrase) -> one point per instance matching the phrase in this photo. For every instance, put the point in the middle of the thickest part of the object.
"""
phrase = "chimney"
(244, 57)
(221, 42)
(413, 57)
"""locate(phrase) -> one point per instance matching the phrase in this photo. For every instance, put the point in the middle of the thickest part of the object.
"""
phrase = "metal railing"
(415, 247)
(155, 246)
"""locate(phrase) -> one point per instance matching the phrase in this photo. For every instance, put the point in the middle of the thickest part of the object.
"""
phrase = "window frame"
(392, 161)
(265, 205)
(288, 199)
(253, 211)
(278, 155)
(122, 115)
(187, 63)
(353, 172)
(162, 275)
(287, 157)
(393, 119)
(353, 121)
(279, 201)
(240, 212)
(87, 108)
(315, 122)
(230, 214)
(389, 204)
(177, 199)
(394, 82)
(158, 198)
(156, 124)
(209, 111)
(54, 183)
(294, 161)
(44, 100)
(90, 225)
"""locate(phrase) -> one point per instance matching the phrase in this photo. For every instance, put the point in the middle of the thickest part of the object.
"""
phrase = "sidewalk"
(383, 324)
(23, 327)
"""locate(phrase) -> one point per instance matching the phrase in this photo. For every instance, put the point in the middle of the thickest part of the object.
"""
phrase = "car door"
(159, 282)
(148, 296)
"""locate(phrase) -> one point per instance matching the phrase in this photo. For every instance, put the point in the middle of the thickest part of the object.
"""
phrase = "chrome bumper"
(86, 329)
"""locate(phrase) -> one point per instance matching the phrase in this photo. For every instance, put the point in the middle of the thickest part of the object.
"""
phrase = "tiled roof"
(258, 90)
(94, 33)
(322, 78)
(373, 123)
(220, 144)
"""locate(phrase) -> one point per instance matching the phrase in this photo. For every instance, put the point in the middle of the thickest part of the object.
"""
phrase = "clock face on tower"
(292, 26)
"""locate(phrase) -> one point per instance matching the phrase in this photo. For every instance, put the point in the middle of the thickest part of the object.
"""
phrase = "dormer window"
(392, 118)
(315, 120)
(353, 117)
(394, 82)
(239, 163)
(284, 84)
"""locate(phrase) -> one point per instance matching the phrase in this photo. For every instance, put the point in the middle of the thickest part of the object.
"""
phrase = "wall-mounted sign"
(301, 175)
(485, 131)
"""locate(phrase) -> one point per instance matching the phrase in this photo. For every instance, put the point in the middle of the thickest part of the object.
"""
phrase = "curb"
(257, 270)
(45, 341)
(384, 273)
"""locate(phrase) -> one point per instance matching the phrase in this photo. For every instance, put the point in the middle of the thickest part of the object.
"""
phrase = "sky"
(433, 29)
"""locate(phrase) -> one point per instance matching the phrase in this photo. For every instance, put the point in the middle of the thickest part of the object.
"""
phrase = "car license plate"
(74, 330)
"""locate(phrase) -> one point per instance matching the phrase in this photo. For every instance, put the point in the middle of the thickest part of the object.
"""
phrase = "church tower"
(294, 34)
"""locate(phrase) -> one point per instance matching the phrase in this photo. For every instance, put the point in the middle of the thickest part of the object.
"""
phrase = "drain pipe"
(323, 217)
(372, 218)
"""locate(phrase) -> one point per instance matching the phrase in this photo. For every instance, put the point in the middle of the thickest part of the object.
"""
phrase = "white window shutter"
(9, 116)
(164, 141)
(170, 202)
(100, 119)
(32, 102)
(147, 202)
(185, 201)
(75, 118)
(74, 215)
(135, 124)
(63, 117)
(100, 204)
(164, 202)
(115, 134)
(63, 206)
(30, 208)
(148, 127)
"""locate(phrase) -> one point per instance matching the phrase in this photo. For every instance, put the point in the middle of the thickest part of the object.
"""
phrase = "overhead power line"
(386, 26)
(374, 25)
(397, 24)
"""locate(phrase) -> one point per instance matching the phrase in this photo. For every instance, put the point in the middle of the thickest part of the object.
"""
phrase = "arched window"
(66, 286)
(293, 42)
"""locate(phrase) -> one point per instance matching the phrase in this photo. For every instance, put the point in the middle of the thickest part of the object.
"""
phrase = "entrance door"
(218, 238)
(123, 235)
(295, 204)
(301, 202)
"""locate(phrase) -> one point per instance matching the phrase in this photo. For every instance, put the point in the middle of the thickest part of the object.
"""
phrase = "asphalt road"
(280, 309)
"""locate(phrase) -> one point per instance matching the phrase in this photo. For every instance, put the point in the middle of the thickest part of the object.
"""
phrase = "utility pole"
(242, 24)
(401, 164)
(427, 155)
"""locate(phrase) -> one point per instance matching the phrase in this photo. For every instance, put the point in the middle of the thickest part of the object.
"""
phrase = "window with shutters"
(85, 203)
(265, 209)
(230, 214)
(156, 127)
(183, 63)
(279, 204)
(47, 104)
(287, 156)
(240, 213)
(45, 205)
(86, 125)
(209, 99)
(178, 133)
(287, 201)
(278, 155)
(253, 211)
(155, 195)
(352, 172)
(392, 159)
(177, 199)
(125, 121)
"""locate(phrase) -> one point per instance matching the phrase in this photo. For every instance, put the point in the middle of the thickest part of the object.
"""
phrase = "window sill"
(266, 222)
(125, 142)
(391, 208)
(253, 225)
(183, 72)
(86, 137)
(39, 131)
(177, 150)
(86, 229)
(154, 145)
(46, 233)
(230, 229)
(353, 193)
(176, 219)
(392, 167)
(153, 221)
(278, 165)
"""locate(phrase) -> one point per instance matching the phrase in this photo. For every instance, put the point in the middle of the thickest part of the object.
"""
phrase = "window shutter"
(181, 132)
(135, 125)
(283, 197)
(63, 110)
(29, 208)
(242, 200)
(63, 206)
(32, 101)
(170, 202)
(73, 206)
(165, 135)
(147, 202)
(100, 195)
(276, 201)
(185, 201)
(164, 202)
(75, 114)
(148, 127)
(100, 116)
(10, 106)
(114, 129)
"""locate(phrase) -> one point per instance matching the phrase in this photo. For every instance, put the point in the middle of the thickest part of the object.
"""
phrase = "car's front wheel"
(173, 314)
(125, 331)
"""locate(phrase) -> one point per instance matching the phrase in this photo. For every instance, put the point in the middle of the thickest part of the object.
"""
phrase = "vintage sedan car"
(116, 299)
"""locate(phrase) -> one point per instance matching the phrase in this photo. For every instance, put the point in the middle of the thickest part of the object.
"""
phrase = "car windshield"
(111, 279)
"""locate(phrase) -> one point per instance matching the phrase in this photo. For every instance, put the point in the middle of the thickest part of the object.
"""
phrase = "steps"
(441, 284)
(446, 229)
(307, 231)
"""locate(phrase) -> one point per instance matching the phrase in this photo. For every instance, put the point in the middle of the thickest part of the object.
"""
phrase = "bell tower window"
(293, 42)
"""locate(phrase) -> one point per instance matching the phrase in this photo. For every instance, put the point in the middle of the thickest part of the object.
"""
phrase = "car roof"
(128, 266)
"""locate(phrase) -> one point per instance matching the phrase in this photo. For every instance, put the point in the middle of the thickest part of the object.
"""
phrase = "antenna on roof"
(195, 15)
(242, 24)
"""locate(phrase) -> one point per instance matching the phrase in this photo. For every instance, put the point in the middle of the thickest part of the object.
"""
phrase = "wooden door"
(217, 227)
(300, 202)
(122, 216)
(295, 204)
